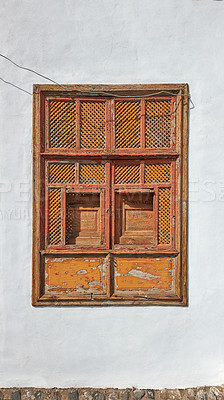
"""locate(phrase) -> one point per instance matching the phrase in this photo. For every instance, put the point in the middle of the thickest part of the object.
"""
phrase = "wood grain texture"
(36, 272)
(184, 210)
(143, 275)
(146, 271)
(80, 275)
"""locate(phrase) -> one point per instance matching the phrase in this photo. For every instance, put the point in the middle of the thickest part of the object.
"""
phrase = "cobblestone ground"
(199, 393)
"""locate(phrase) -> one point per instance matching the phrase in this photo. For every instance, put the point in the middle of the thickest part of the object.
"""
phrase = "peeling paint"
(142, 275)
(78, 275)
(81, 272)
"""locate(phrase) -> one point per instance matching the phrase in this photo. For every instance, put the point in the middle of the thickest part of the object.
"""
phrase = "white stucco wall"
(113, 41)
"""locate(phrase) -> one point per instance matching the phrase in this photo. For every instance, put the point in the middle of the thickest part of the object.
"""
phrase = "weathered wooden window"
(110, 195)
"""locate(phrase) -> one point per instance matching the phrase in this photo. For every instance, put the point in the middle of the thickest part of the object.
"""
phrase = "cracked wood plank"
(75, 275)
(143, 274)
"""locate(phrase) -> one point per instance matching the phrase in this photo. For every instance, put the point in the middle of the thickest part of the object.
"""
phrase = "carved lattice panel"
(155, 173)
(164, 216)
(127, 124)
(62, 172)
(127, 173)
(92, 124)
(158, 123)
(91, 173)
(54, 216)
(62, 124)
(110, 195)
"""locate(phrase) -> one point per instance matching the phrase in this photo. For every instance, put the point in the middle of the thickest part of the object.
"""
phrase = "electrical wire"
(17, 87)
(104, 93)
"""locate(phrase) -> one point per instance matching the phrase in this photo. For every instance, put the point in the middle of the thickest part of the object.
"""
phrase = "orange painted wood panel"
(80, 275)
(143, 274)
(134, 218)
(113, 181)
(83, 219)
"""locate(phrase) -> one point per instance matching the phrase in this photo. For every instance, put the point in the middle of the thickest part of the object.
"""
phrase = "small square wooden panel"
(83, 219)
(110, 195)
(134, 218)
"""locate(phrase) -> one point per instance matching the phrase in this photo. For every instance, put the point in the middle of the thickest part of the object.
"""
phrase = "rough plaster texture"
(111, 41)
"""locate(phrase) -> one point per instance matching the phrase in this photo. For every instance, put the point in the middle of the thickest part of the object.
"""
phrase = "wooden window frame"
(177, 154)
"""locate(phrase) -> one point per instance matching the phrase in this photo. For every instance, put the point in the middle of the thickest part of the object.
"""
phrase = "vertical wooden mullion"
(142, 172)
(108, 125)
(102, 216)
(156, 214)
(112, 126)
(110, 275)
(184, 191)
(142, 125)
(37, 281)
(77, 173)
(110, 282)
(122, 216)
(42, 183)
(63, 216)
(112, 206)
(181, 135)
(46, 215)
(178, 122)
(46, 124)
(46, 205)
(173, 204)
(174, 107)
(78, 125)
(107, 204)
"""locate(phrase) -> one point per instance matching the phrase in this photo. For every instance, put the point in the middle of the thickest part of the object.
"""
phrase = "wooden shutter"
(110, 192)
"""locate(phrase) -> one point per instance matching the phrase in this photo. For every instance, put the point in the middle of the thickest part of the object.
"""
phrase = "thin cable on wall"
(85, 91)
(17, 87)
